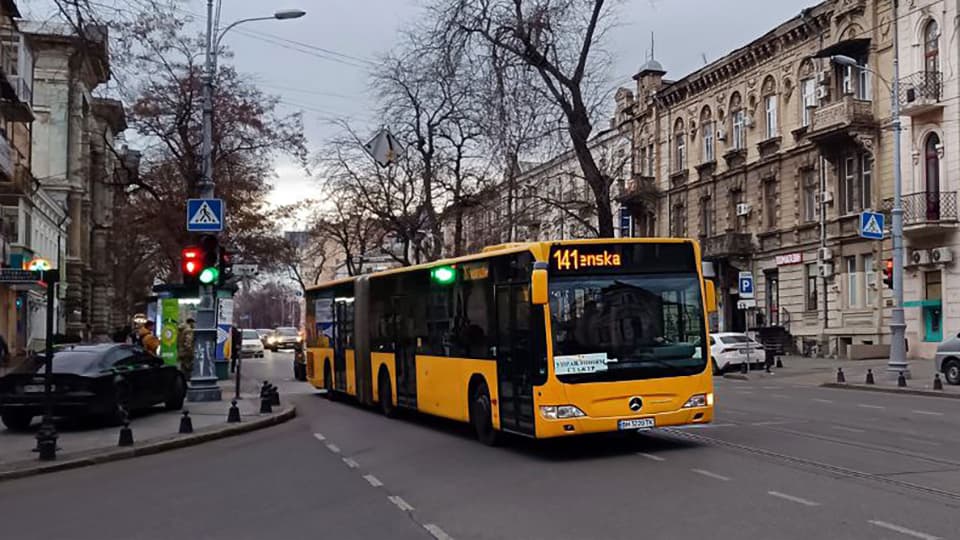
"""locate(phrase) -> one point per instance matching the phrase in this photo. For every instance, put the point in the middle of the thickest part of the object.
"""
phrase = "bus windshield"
(625, 327)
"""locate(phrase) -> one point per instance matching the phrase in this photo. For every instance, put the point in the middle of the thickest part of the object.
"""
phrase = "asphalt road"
(781, 462)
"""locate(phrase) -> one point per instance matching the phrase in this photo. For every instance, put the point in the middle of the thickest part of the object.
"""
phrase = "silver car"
(948, 360)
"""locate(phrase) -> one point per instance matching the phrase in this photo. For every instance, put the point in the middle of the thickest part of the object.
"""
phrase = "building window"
(810, 186)
(650, 158)
(681, 152)
(770, 105)
(706, 217)
(870, 280)
(642, 165)
(626, 223)
(864, 91)
(857, 182)
(709, 151)
(677, 221)
(866, 181)
(808, 91)
(770, 205)
(736, 198)
(931, 47)
(853, 281)
(739, 129)
(810, 276)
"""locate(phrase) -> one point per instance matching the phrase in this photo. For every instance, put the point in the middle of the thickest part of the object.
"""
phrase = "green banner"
(169, 317)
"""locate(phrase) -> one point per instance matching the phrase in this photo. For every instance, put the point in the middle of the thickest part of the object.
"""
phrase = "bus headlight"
(557, 412)
(699, 400)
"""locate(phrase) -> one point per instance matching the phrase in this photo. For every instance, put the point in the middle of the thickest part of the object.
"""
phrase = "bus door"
(515, 363)
(405, 347)
(341, 317)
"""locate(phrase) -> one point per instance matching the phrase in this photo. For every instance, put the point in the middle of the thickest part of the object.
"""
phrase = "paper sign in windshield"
(576, 364)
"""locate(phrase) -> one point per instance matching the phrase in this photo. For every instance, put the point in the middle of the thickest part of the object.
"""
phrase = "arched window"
(679, 146)
(931, 47)
(707, 127)
(770, 107)
(931, 152)
(738, 119)
(808, 91)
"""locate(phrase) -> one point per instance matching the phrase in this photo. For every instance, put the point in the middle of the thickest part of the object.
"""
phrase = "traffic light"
(888, 274)
(226, 266)
(191, 261)
(210, 272)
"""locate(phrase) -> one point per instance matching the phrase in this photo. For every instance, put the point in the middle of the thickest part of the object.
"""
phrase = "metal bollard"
(47, 442)
(274, 396)
(937, 383)
(234, 415)
(126, 434)
(840, 377)
(744, 367)
(870, 376)
(265, 400)
(186, 423)
(779, 363)
(901, 381)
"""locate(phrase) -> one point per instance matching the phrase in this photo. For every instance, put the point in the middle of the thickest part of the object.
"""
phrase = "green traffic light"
(443, 275)
(209, 275)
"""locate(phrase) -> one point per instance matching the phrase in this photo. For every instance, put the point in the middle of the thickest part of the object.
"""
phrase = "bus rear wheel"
(385, 395)
(327, 380)
(481, 415)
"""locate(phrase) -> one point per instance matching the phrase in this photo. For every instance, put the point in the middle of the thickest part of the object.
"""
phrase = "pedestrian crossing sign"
(871, 225)
(204, 215)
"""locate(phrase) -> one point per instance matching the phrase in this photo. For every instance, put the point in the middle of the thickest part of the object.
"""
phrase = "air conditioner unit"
(821, 77)
(941, 255)
(743, 209)
(826, 270)
(828, 197)
(917, 257)
(821, 93)
(825, 254)
(721, 135)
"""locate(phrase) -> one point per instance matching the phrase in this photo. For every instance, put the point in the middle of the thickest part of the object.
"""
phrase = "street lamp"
(203, 382)
(898, 326)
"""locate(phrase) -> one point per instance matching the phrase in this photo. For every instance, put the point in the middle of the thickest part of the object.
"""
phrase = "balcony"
(730, 244)
(921, 92)
(842, 119)
(6, 160)
(640, 191)
(927, 212)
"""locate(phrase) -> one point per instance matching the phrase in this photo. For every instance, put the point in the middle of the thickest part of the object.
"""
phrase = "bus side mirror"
(710, 295)
(538, 286)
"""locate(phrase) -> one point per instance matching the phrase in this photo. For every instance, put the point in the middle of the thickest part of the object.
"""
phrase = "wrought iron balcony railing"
(931, 207)
(921, 88)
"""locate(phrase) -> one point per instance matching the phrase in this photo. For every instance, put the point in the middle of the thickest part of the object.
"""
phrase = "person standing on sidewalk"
(236, 345)
(4, 352)
(185, 347)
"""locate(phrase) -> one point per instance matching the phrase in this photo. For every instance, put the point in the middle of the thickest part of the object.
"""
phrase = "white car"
(730, 349)
(251, 346)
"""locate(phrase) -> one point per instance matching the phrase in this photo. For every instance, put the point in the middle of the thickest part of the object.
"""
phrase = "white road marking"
(351, 463)
(770, 387)
(818, 400)
(850, 429)
(919, 441)
(319, 437)
(743, 392)
(333, 448)
(711, 475)
(651, 456)
(373, 480)
(791, 498)
(401, 504)
(903, 530)
(928, 413)
(773, 423)
(865, 406)
(437, 532)
(780, 396)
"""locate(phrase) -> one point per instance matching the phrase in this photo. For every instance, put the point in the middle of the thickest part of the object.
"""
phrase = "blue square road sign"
(871, 225)
(204, 215)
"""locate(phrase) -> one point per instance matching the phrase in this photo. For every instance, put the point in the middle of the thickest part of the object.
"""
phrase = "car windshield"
(287, 331)
(627, 327)
(250, 334)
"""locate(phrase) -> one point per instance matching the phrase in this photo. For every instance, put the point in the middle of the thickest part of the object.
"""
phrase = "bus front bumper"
(586, 424)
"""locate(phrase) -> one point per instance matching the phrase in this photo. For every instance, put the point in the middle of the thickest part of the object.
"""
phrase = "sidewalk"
(153, 431)
(819, 371)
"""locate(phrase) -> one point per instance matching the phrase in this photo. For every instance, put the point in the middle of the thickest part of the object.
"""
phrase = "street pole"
(203, 381)
(47, 434)
(898, 326)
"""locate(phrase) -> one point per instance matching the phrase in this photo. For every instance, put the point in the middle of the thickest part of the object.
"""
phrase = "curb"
(736, 376)
(890, 390)
(154, 446)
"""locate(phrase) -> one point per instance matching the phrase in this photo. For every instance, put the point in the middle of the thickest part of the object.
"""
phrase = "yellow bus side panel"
(318, 356)
(442, 385)
(379, 359)
(350, 371)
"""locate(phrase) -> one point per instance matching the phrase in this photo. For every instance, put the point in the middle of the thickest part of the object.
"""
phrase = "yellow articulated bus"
(541, 339)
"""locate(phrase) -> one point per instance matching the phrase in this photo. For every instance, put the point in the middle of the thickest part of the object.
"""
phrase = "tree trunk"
(596, 180)
(458, 232)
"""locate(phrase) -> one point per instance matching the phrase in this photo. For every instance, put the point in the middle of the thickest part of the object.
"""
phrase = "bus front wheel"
(481, 415)
(327, 380)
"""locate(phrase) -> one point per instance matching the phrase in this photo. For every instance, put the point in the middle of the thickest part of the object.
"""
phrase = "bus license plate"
(637, 423)
(34, 388)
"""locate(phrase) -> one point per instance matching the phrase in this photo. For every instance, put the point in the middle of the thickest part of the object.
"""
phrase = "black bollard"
(870, 376)
(234, 415)
(779, 363)
(186, 423)
(744, 367)
(265, 407)
(901, 381)
(937, 383)
(274, 396)
(47, 442)
(126, 434)
(840, 377)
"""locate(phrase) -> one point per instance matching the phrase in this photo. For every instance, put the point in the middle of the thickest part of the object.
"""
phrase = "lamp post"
(898, 325)
(203, 381)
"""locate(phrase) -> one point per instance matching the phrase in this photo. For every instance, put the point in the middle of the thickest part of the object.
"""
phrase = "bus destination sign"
(573, 258)
(623, 257)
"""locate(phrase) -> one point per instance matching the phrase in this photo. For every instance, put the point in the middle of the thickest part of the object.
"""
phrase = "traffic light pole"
(203, 381)
(898, 324)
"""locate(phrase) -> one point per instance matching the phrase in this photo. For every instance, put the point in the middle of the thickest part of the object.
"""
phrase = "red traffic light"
(888, 273)
(191, 261)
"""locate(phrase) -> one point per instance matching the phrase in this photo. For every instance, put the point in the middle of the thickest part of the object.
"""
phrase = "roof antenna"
(704, 56)
(652, 43)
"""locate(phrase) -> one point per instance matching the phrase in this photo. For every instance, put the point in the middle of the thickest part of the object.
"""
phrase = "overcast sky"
(325, 74)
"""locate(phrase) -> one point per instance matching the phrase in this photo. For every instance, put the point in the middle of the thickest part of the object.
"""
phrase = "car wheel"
(178, 392)
(327, 380)
(385, 394)
(16, 421)
(481, 416)
(951, 371)
(299, 371)
(716, 368)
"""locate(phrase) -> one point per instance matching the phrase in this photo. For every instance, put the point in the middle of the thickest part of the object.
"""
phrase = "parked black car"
(91, 380)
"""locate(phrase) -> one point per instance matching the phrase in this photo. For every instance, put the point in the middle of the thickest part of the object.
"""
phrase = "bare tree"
(560, 40)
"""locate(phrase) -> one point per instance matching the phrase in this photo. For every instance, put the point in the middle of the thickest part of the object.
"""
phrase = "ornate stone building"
(768, 155)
